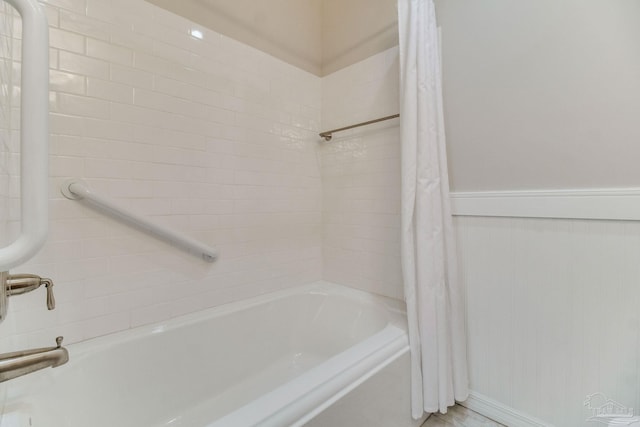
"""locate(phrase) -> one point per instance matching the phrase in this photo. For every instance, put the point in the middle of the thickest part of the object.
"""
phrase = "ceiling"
(320, 36)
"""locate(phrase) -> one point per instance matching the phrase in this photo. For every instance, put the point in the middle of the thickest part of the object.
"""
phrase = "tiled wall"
(210, 137)
(361, 177)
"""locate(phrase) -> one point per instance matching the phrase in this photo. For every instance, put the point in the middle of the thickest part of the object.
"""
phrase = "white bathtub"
(275, 360)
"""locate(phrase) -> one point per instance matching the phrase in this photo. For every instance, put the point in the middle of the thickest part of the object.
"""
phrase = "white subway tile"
(106, 90)
(66, 166)
(171, 52)
(78, 6)
(108, 129)
(81, 24)
(60, 81)
(173, 128)
(361, 178)
(66, 125)
(109, 52)
(80, 64)
(65, 40)
(130, 76)
(83, 106)
(112, 12)
(98, 326)
(132, 40)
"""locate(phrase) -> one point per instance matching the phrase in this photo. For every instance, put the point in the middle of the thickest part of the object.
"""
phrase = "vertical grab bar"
(34, 135)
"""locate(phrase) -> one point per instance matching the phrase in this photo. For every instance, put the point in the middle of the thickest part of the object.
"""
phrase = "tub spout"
(18, 363)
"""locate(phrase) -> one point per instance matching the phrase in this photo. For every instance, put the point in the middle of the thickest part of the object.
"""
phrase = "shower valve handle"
(18, 284)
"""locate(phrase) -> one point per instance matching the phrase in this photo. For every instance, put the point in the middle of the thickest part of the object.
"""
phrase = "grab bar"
(77, 190)
(34, 135)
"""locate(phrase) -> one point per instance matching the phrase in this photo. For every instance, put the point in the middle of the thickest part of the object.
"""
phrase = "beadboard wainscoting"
(552, 315)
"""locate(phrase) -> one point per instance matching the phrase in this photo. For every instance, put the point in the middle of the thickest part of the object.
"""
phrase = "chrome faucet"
(18, 284)
(18, 363)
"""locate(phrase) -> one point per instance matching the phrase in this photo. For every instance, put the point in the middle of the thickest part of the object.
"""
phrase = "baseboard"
(499, 412)
(602, 203)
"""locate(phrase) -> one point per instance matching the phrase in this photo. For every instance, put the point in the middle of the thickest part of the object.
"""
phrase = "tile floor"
(459, 416)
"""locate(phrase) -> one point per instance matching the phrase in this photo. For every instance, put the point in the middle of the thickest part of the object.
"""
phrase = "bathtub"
(275, 360)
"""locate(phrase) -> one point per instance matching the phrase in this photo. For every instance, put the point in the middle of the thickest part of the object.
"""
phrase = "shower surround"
(208, 136)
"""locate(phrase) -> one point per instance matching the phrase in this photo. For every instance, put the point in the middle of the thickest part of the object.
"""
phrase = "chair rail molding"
(600, 203)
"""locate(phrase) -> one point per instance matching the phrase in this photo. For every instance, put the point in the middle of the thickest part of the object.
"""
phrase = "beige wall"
(320, 36)
(541, 94)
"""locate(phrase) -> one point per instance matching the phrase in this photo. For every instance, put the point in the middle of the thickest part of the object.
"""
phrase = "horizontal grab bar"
(77, 190)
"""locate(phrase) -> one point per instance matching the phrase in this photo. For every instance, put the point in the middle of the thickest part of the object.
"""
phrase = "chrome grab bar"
(19, 363)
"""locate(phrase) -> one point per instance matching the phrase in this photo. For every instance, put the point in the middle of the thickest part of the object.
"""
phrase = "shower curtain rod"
(327, 135)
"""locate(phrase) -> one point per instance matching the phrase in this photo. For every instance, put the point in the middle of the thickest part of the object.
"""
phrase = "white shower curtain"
(433, 295)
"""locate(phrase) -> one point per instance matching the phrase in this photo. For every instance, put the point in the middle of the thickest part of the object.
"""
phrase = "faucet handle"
(51, 300)
(18, 284)
(59, 341)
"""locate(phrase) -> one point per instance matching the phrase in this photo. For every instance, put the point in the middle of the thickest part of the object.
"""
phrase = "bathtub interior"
(198, 368)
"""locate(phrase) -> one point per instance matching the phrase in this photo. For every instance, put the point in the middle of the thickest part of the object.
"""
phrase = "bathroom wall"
(541, 94)
(361, 177)
(210, 137)
(544, 95)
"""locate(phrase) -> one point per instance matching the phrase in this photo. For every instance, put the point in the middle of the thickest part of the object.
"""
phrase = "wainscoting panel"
(553, 313)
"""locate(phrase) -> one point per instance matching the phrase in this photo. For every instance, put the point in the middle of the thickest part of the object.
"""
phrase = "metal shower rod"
(327, 135)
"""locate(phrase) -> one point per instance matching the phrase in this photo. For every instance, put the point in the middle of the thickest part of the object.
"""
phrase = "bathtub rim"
(394, 308)
(391, 342)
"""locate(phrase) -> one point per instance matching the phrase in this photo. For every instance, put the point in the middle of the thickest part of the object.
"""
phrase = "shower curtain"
(432, 293)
